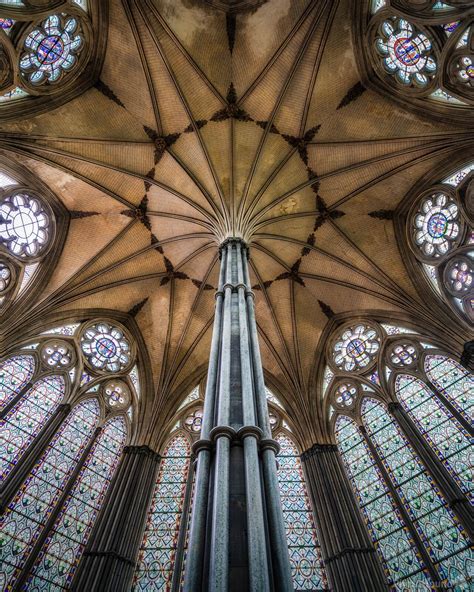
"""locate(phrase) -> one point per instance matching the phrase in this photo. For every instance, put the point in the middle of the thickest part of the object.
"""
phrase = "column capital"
(318, 449)
(142, 449)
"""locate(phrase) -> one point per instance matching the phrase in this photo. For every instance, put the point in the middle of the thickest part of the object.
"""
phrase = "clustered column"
(237, 537)
(109, 561)
(349, 556)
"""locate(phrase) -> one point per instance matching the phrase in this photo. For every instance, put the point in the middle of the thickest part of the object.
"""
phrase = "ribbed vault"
(202, 127)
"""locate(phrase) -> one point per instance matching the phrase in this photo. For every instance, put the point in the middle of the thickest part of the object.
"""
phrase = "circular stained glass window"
(58, 354)
(106, 347)
(345, 395)
(51, 49)
(25, 225)
(407, 54)
(436, 225)
(117, 394)
(403, 354)
(459, 276)
(355, 348)
(193, 421)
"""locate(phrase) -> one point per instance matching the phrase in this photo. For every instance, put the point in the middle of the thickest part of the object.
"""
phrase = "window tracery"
(421, 541)
(47, 51)
(440, 237)
(420, 53)
(48, 521)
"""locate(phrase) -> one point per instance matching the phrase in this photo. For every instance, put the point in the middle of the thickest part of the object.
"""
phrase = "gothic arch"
(439, 92)
(28, 97)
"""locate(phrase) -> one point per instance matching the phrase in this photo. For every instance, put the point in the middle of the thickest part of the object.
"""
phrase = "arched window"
(62, 459)
(157, 555)
(161, 561)
(401, 560)
(303, 546)
(48, 56)
(439, 221)
(421, 541)
(419, 53)
(443, 433)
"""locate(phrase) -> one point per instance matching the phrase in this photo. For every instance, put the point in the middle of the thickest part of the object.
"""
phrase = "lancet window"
(161, 561)
(399, 408)
(65, 412)
(303, 545)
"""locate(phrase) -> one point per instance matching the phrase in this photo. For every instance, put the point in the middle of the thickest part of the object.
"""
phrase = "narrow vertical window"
(158, 550)
(443, 537)
(23, 422)
(442, 432)
(28, 513)
(15, 373)
(453, 381)
(303, 546)
(400, 557)
(57, 561)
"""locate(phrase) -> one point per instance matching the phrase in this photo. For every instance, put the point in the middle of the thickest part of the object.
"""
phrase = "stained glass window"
(158, 550)
(443, 433)
(401, 560)
(303, 545)
(25, 419)
(439, 530)
(356, 347)
(51, 49)
(30, 509)
(453, 381)
(58, 559)
(106, 347)
(24, 225)
(15, 373)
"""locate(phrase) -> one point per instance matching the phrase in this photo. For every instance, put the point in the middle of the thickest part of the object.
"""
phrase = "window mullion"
(406, 518)
(448, 487)
(54, 514)
(9, 406)
(31, 455)
(452, 409)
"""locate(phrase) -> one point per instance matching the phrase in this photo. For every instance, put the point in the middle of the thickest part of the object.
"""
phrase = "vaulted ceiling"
(205, 124)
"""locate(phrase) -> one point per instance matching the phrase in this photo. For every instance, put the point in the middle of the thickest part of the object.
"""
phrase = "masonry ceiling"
(184, 142)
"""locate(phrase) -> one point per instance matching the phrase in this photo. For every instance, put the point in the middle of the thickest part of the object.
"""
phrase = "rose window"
(465, 70)
(436, 225)
(407, 55)
(403, 355)
(51, 49)
(5, 277)
(57, 354)
(24, 225)
(106, 348)
(356, 348)
(345, 395)
(193, 421)
(117, 394)
(459, 274)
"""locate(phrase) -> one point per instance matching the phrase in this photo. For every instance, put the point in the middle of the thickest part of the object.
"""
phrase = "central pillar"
(237, 538)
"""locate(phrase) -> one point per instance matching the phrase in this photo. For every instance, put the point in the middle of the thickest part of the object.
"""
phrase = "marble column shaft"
(352, 564)
(109, 561)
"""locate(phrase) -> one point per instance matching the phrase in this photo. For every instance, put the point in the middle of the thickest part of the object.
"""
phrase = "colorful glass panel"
(55, 566)
(452, 381)
(443, 537)
(30, 509)
(442, 432)
(303, 545)
(401, 560)
(23, 422)
(158, 550)
(15, 373)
